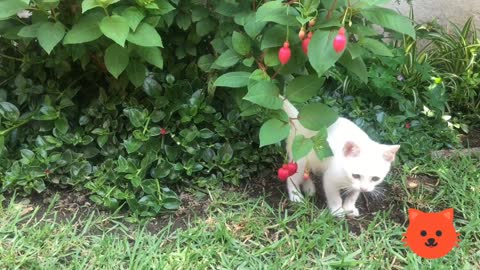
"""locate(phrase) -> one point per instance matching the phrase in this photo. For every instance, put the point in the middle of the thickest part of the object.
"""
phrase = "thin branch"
(329, 14)
(10, 57)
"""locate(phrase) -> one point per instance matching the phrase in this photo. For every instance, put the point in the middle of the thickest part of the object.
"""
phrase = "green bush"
(87, 87)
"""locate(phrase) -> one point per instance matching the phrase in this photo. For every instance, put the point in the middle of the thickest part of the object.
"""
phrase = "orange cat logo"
(431, 235)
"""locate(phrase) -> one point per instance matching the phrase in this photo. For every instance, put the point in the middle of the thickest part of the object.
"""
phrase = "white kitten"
(358, 163)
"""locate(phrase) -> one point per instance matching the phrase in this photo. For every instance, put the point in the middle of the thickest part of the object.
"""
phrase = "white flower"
(24, 14)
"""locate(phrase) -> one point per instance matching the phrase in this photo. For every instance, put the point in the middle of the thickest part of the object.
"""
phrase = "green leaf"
(316, 116)
(275, 37)
(389, 19)
(225, 153)
(199, 13)
(376, 47)
(227, 8)
(227, 59)
(164, 7)
(257, 76)
(355, 66)
(205, 26)
(206, 133)
(30, 31)
(47, 4)
(311, 6)
(46, 113)
(321, 54)
(265, 94)
(233, 79)
(271, 57)
(136, 73)
(50, 34)
(301, 147)
(320, 144)
(183, 21)
(133, 16)
(102, 140)
(85, 30)
(276, 11)
(9, 111)
(205, 62)
(303, 88)
(115, 28)
(132, 145)
(273, 131)
(116, 59)
(364, 31)
(241, 43)
(89, 4)
(355, 50)
(11, 7)
(189, 134)
(145, 36)
(61, 124)
(252, 27)
(27, 156)
(364, 3)
(152, 55)
(171, 203)
(2, 144)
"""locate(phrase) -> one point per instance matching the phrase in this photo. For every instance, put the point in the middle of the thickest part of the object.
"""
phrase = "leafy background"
(136, 100)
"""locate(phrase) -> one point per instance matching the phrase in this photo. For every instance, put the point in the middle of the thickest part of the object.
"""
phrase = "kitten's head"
(367, 167)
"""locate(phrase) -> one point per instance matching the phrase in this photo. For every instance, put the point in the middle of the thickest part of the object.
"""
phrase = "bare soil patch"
(75, 204)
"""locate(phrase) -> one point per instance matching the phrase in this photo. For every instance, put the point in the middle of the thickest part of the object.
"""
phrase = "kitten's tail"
(289, 109)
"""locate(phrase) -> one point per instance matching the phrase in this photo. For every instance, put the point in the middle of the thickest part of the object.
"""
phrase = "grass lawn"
(242, 229)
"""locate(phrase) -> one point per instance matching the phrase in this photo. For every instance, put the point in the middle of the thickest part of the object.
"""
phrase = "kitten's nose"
(431, 241)
(363, 189)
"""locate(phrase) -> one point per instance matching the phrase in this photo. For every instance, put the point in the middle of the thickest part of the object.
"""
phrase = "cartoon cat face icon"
(431, 235)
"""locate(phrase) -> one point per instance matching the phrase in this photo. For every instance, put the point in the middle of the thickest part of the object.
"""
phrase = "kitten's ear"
(350, 149)
(448, 214)
(414, 213)
(391, 153)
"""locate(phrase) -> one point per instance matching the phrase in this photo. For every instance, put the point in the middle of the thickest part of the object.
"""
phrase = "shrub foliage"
(129, 98)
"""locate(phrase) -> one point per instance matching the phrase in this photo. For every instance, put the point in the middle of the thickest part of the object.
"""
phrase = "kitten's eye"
(423, 233)
(439, 233)
(356, 176)
(375, 178)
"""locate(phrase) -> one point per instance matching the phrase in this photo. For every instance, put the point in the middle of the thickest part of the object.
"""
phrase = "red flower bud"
(340, 41)
(283, 174)
(301, 34)
(292, 168)
(284, 53)
(306, 42)
(163, 131)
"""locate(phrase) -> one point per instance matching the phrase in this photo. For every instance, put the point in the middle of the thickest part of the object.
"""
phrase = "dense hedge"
(128, 98)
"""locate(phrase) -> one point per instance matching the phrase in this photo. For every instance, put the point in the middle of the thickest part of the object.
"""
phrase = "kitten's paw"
(309, 188)
(351, 211)
(339, 212)
(295, 196)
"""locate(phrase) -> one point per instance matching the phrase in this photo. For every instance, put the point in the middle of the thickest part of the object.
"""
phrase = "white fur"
(353, 153)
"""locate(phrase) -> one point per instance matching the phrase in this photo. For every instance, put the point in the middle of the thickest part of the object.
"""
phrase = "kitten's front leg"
(294, 182)
(332, 193)
(349, 203)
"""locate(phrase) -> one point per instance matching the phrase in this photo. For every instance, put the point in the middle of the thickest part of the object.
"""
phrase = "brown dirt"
(472, 139)
(74, 204)
(392, 198)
